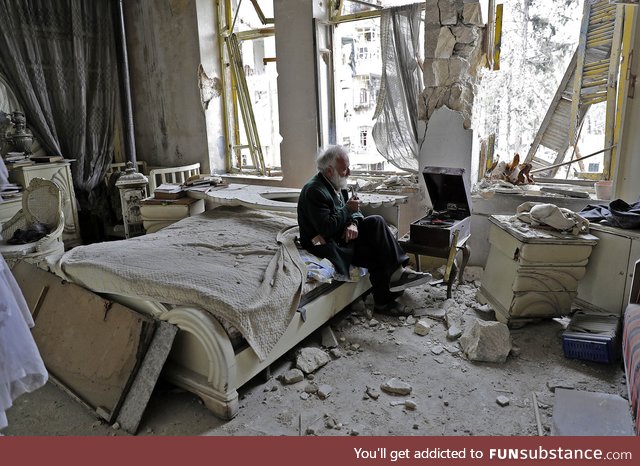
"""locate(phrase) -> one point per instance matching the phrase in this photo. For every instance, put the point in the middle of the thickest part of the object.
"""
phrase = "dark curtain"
(59, 57)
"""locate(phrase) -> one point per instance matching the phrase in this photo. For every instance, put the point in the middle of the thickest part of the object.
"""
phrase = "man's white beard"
(339, 182)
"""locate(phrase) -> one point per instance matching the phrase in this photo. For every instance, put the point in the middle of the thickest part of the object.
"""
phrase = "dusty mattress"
(231, 261)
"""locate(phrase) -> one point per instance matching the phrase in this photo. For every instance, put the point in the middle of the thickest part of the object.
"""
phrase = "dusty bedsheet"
(226, 261)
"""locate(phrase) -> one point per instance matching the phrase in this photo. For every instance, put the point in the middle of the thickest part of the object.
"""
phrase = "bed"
(234, 283)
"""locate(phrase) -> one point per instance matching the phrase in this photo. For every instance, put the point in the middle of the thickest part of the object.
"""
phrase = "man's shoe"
(391, 308)
(408, 279)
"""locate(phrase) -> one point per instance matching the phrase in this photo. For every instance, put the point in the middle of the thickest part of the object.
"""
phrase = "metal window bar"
(244, 103)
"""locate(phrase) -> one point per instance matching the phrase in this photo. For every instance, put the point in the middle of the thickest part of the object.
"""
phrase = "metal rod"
(129, 135)
(233, 23)
(537, 411)
(544, 169)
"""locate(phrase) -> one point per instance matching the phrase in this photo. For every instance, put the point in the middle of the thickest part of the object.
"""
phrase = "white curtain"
(395, 131)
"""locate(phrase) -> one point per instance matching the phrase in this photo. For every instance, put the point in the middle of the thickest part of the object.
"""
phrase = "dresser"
(607, 283)
(60, 173)
(532, 273)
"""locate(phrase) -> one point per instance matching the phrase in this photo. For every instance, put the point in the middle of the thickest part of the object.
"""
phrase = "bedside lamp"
(133, 188)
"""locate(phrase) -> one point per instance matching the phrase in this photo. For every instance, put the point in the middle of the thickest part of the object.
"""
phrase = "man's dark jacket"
(323, 211)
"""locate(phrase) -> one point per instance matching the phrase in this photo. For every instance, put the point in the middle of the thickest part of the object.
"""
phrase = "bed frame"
(203, 360)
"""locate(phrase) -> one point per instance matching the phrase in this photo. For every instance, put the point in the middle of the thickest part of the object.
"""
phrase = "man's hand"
(351, 232)
(353, 204)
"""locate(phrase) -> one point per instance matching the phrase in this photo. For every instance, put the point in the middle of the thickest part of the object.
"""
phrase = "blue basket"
(589, 347)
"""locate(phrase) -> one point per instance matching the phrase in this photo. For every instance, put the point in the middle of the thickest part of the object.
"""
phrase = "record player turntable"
(450, 212)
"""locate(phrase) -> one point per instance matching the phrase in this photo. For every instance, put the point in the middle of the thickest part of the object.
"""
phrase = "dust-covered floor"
(450, 395)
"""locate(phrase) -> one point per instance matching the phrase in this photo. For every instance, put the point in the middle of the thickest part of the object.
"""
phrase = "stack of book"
(47, 158)
(169, 191)
(17, 159)
(10, 190)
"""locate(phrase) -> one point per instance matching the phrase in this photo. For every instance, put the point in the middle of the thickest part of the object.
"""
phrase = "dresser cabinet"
(532, 273)
(61, 174)
(607, 283)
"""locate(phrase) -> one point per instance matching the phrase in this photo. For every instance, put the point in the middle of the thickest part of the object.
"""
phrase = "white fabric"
(21, 367)
(226, 261)
(559, 218)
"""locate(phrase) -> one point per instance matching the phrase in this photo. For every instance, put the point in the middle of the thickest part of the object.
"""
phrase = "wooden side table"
(448, 253)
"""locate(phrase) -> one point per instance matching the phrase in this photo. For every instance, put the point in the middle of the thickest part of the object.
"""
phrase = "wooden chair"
(42, 203)
(178, 175)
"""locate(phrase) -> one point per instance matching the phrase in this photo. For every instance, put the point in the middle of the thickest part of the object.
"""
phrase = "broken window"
(248, 56)
(536, 107)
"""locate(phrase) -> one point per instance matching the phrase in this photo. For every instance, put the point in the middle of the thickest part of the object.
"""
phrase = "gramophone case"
(451, 208)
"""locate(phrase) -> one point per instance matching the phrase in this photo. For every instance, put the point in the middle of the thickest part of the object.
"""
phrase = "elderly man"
(332, 227)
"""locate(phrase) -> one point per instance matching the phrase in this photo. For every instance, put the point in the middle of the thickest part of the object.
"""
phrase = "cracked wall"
(454, 34)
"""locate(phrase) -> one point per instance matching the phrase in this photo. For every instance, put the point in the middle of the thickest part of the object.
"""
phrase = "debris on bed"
(405, 183)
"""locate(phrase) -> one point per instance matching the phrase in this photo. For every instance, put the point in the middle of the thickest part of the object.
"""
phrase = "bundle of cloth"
(617, 214)
(550, 215)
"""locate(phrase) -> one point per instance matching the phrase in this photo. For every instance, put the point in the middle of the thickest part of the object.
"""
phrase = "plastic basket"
(589, 347)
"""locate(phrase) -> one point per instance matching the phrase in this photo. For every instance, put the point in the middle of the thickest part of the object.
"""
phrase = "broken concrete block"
(311, 388)
(336, 353)
(445, 44)
(472, 14)
(311, 359)
(454, 332)
(396, 386)
(410, 404)
(486, 341)
(324, 391)
(465, 34)
(557, 383)
(448, 11)
(422, 327)
(410, 320)
(441, 75)
(431, 42)
(432, 313)
(437, 350)
(292, 376)
(432, 13)
(372, 393)
(458, 70)
(503, 400)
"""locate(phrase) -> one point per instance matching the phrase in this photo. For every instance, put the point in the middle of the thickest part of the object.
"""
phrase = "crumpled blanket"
(617, 214)
(226, 261)
(559, 218)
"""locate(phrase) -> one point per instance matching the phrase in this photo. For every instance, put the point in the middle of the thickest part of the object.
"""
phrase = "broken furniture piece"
(445, 230)
(532, 273)
(41, 210)
(104, 355)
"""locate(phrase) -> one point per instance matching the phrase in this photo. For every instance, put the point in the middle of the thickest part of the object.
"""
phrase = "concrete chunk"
(292, 376)
(396, 386)
(472, 14)
(486, 341)
(422, 327)
(311, 359)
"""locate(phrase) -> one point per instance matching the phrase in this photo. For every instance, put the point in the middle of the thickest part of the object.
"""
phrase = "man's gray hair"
(328, 157)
